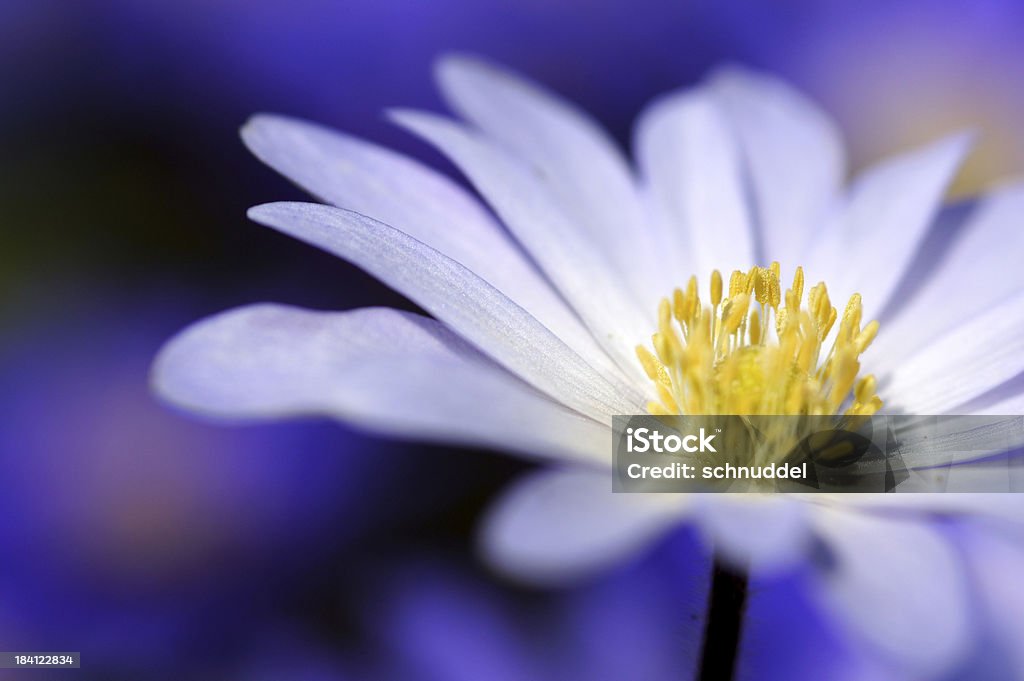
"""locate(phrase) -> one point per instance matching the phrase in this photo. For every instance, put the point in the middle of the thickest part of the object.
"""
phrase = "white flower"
(538, 313)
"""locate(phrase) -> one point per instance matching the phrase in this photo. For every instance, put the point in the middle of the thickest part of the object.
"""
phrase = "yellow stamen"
(716, 288)
(732, 358)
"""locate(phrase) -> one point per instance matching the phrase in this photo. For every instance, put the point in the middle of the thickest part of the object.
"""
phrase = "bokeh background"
(164, 547)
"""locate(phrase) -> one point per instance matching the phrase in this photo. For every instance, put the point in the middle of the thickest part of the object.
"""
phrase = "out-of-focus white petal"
(975, 357)
(570, 259)
(559, 525)
(1006, 508)
(406, 195)
(793, 153)
(899, 587)
(980, 268)
(877, 233)
(766, 534)
(688, 156)
(388, 371)
(468, 305)
(575, 158)
(997, 562)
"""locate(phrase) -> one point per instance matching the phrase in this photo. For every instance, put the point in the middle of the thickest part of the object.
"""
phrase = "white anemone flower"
(543, 314)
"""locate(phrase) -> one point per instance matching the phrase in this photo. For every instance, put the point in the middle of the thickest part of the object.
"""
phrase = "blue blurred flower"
(435, 619)
(897, 74)
(137, 536)
(438, 621)
(644, 619)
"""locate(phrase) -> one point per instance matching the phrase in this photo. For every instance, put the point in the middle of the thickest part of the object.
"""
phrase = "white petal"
(899, 587)
(688, 156)
(578, 270)
(555, 526)
(1001, 475)
(392, 372)
(875, 236)
(980, 269)
(760, 533)
(1010, 404)
(794, 155)
(1007, 398)
(973, 358)
(585, 173)
(395, 190)
(459, 298)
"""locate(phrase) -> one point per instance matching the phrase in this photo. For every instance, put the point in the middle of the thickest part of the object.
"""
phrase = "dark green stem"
(726, 606)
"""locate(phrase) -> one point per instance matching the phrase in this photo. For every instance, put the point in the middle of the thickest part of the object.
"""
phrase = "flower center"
(757, 352)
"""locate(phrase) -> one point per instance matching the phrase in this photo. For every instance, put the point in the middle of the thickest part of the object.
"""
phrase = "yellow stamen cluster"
(759, 350)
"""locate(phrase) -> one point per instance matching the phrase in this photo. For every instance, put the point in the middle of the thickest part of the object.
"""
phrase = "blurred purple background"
(162, 547)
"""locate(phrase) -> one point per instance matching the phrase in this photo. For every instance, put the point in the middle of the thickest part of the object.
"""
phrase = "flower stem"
(726, 606)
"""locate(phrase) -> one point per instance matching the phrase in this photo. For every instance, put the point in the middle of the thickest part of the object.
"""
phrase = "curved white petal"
(577, 161)
(570, 259)
(898, 585)
(554, 526)
(877, 233)
(765, 534)
(975, 357)
(980, 268)
(400, 192)
(793, 153)
(388, 371)
(688, 156)
(459, 298)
